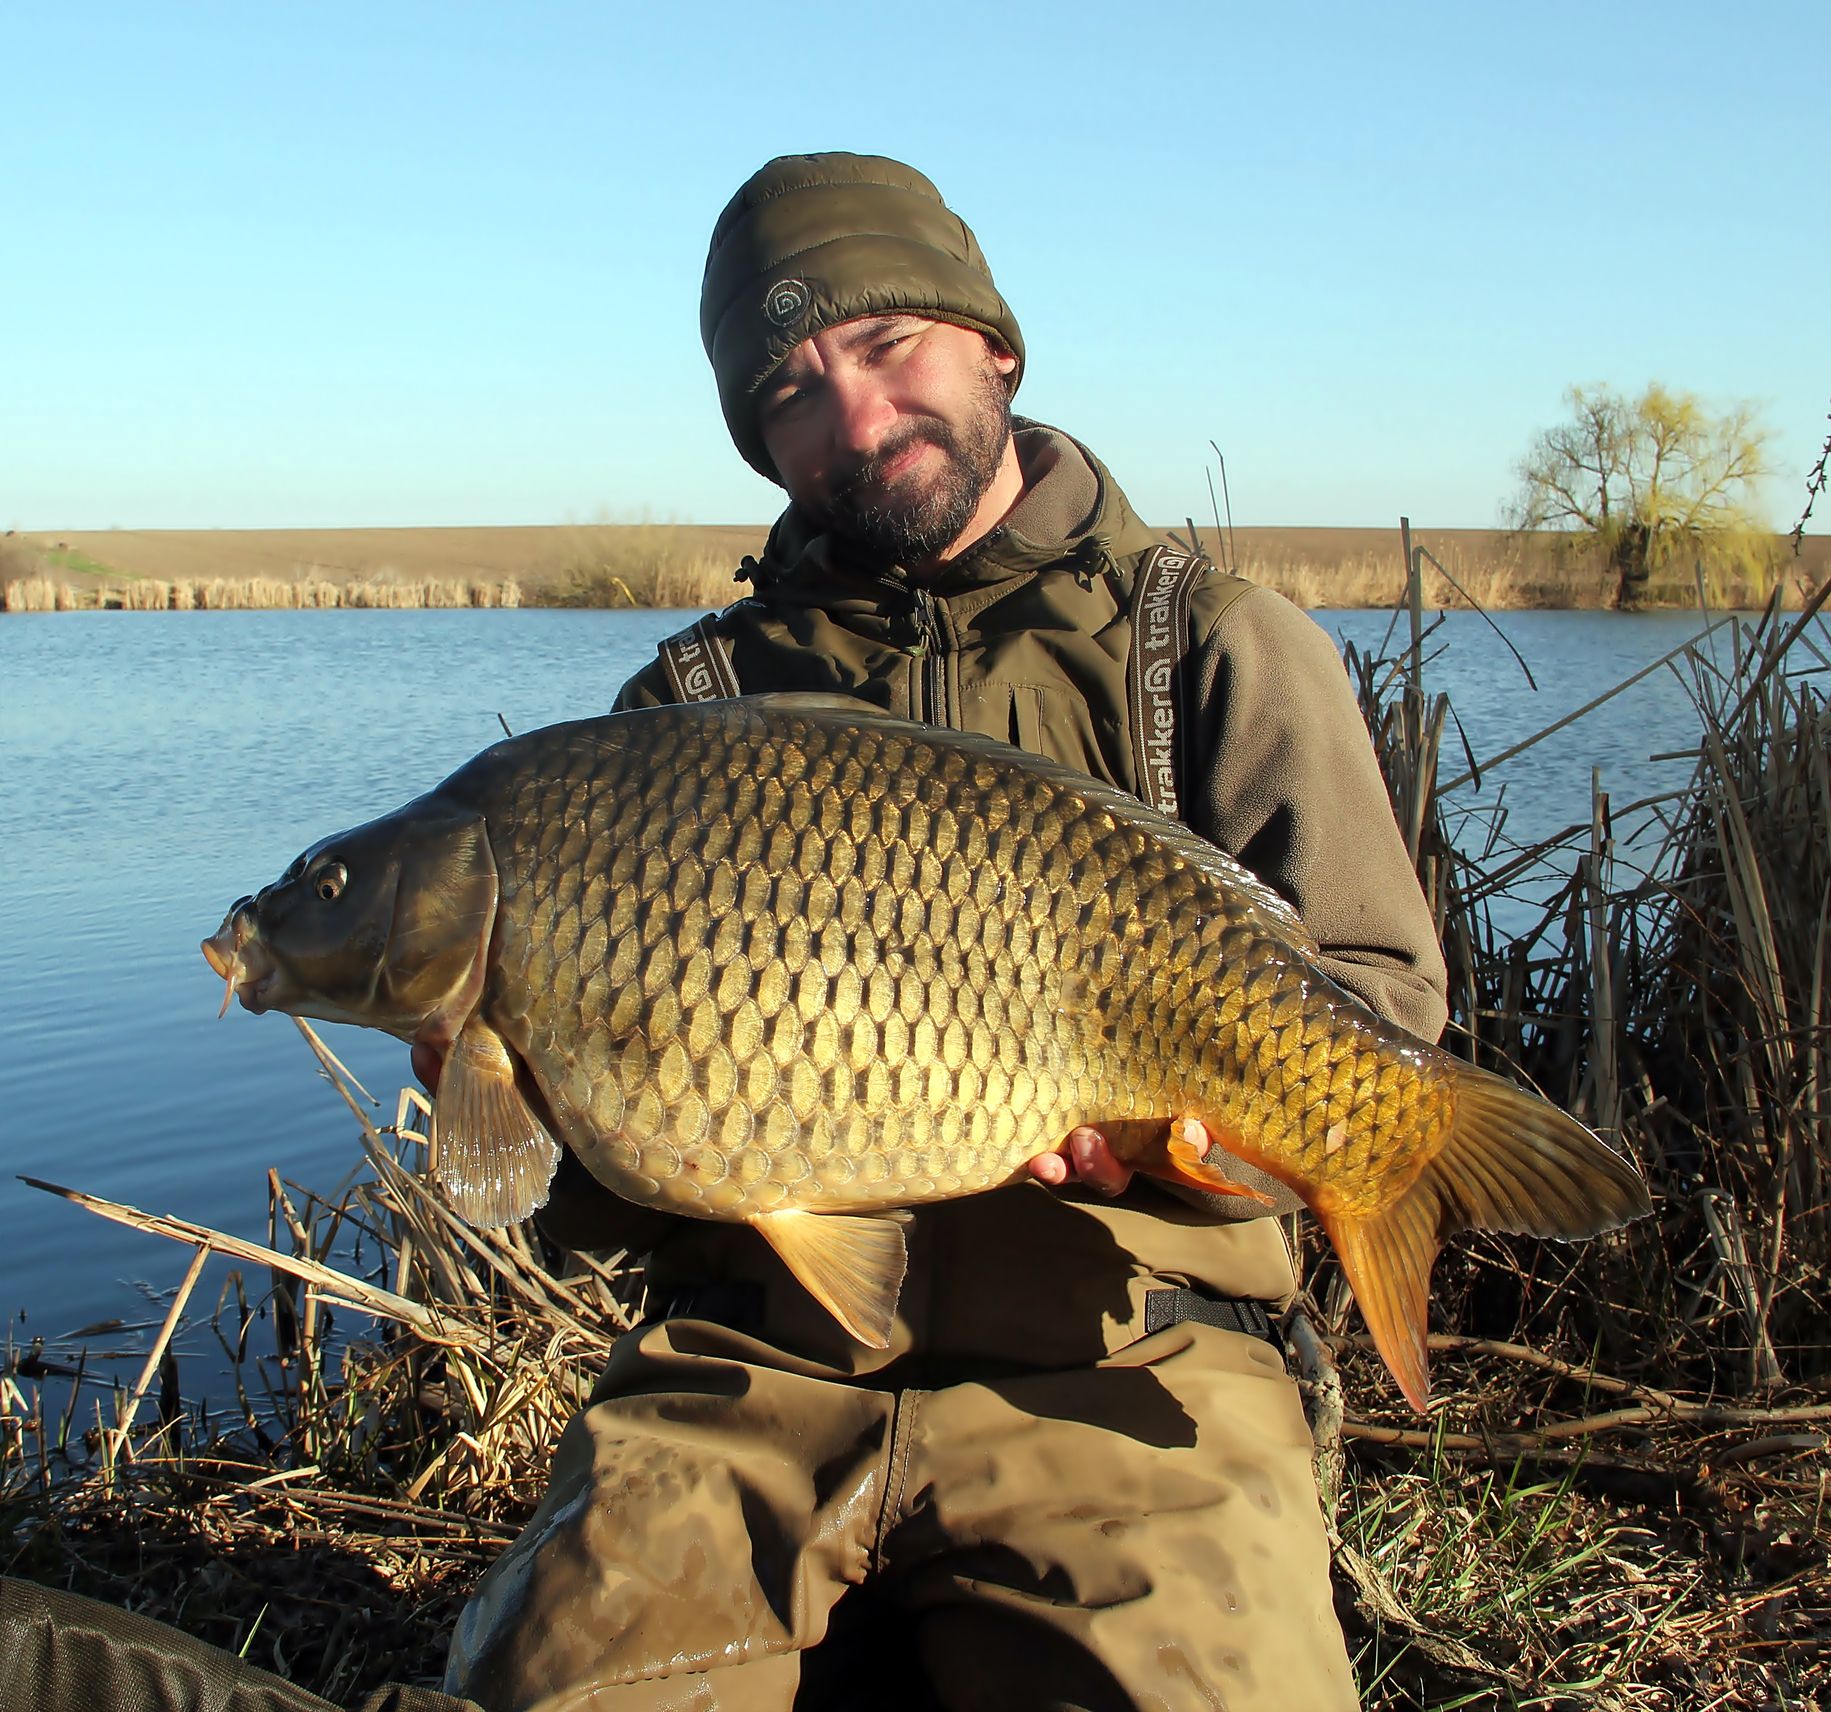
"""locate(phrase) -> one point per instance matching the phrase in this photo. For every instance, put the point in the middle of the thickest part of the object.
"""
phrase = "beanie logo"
(786, 302)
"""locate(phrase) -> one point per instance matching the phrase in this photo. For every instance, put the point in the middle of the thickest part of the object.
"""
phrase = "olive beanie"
(813, 240)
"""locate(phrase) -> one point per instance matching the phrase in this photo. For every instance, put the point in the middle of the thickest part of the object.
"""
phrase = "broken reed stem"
(338, 1287)
(1707, 1415)
(1732, 1257)
(1446, 1343)
(118, 1440)
(1324, 1406)
(1606, 1105)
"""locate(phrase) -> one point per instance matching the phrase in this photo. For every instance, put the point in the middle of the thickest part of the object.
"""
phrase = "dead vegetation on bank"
(685, 567)
(1622, 1498)
(1625, 1501)
(252, 594)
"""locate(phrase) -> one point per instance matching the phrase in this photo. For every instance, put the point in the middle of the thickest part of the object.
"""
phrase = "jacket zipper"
(927, 650)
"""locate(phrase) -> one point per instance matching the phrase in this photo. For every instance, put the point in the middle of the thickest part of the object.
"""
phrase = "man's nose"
(862, 412)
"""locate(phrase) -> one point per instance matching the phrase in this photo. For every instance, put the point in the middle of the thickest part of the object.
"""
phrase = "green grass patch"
(77, 563)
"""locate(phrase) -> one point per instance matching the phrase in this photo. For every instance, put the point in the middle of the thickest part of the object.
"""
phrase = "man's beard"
(884, 522)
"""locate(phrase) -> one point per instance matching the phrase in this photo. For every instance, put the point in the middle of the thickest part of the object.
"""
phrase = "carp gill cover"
(787, 961)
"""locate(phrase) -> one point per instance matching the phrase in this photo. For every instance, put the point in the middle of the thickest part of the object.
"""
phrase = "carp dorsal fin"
(852, 1264)
(824, 701)
(492, 1156)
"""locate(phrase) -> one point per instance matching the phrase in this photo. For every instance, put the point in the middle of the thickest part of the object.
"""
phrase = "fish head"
(386, 926)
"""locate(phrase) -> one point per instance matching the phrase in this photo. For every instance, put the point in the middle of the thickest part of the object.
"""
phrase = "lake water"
(155, 767)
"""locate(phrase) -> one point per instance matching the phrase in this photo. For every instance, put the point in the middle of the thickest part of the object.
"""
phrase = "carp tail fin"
(1511, 1161)
(1515, 1162)
(1387, 1260)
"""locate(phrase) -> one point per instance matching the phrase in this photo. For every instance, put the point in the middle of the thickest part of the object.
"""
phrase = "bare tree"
(1644, 479)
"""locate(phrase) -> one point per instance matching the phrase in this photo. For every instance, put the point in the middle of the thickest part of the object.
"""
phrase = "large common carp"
(788, 961)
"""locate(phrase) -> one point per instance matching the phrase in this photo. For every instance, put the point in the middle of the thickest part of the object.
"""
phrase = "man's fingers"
(1050, 1168)
(1094, 1163)
(1085, 1157)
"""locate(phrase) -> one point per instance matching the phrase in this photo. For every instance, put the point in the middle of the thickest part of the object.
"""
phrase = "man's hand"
(1088, 1155)
(1085, 1158)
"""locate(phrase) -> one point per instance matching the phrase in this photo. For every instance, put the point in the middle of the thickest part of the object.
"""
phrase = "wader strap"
(1160, 635)
(698, 664)
(1165, 1308)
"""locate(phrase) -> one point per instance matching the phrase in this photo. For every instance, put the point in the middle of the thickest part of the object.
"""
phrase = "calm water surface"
(154, 767)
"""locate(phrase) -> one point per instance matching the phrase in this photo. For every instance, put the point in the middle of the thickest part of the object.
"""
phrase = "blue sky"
(439, 264)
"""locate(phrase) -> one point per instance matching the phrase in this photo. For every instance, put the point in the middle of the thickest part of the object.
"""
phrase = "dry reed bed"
(43, 594)
(1627, 1501)
(1621, 1501)
(680, 567)
(650, 568)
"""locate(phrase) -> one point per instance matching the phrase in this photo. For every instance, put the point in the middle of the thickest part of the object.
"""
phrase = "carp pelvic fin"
(492, 1156)
(851, 1264)
(1187, 1162)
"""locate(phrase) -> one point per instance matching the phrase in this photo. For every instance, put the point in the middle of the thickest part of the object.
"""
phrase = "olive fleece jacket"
(1027, 638)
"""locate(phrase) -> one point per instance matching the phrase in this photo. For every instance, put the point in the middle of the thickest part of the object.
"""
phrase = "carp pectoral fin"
(1387, 1259)
(1197, 1160)
(492, 1156)
(852, 1264)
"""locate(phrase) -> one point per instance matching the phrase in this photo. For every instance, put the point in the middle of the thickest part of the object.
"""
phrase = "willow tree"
(1648, 481)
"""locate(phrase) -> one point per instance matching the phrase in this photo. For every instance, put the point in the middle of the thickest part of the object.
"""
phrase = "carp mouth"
(235, 952)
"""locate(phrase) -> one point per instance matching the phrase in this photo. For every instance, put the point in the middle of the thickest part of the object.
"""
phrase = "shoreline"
(665, 565)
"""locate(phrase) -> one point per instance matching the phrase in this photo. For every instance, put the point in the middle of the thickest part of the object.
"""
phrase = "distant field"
(691, 565)
(538, 558)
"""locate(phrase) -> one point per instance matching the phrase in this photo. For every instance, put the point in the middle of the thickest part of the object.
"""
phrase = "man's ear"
(1005, 362)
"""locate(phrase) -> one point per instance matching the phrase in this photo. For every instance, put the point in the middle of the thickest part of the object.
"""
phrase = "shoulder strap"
(698, 664)
(1162, 592)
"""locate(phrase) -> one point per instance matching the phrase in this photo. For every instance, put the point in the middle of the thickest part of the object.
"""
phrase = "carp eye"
(330, 882)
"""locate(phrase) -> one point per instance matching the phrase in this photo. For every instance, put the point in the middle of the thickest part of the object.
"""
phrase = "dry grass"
(692, 566)
(41, 594)
(646, 565)
(542, 563)
(372, 1479)
(1622, 1500)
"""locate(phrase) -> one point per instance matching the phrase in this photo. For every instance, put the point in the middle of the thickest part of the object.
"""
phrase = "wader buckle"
(1170, 1307)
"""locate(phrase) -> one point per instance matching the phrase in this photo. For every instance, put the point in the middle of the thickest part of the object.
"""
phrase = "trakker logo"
(786, 302)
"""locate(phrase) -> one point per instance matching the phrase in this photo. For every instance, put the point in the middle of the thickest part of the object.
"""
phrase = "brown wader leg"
(1144, 1533)
(63, 1653)
(1138, 1533)
(704, 1513)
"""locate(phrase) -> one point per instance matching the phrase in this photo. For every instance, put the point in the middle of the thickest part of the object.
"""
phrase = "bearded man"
(1079, 1475)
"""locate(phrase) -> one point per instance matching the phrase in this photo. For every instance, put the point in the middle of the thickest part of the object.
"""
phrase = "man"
(1079, 1476)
